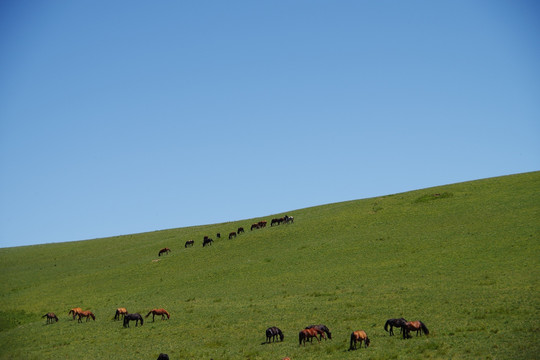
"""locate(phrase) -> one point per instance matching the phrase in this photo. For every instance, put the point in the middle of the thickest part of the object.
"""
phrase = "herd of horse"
(321, 331)
(121, 314)
(233, 234)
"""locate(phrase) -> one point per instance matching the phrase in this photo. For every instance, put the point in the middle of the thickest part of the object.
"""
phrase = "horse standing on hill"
(75, 312)
(50, 317)
(272, 333)
(417, 326)
(359, 336)
(207, 241)
(87, 314)
(120, 312)
(161, 312)
(232, 235)
(321, 328)
(133, 317)
(240, 230)
(164, 251)
(399, 323)
(189, 243)
(309, 334)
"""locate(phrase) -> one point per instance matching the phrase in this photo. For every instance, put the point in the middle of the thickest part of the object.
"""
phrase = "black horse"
(272, 333)
(207, 241)
(133, 317)
(399, 323)
(321, 327)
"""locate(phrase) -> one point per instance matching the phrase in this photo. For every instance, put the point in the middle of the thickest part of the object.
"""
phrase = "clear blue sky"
(119, 117)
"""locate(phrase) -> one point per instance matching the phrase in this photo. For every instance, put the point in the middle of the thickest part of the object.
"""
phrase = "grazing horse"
(161, 312)
(399, 323)
(87, 314)
(74, 311)
(163, 356)
(207, 241)
(189, 243)
(50, 317)
(231, 235)
(218, 235)
(133, 317)
(262, 224)
(120, 312)
(359, 336)
(240, 230)
(277, 221)
(288, 219)
(417, 326)
(164, 251)
(309, 334)
(272, 333)
(321, 328)
(255, 226)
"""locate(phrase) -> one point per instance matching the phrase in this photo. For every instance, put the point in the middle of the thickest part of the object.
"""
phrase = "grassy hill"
(463, 258)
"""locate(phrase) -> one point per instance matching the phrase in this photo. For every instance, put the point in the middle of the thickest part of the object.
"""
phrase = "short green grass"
(463, 258)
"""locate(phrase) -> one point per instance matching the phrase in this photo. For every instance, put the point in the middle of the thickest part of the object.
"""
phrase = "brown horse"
(359, 336)
(164, 251)
(189, 243)
(74, 311)
(161, 312)
(50, 317)
(309, 334)
(240, 230)
(120, 312)
(417, 326)
(231, 235)
(87, 314)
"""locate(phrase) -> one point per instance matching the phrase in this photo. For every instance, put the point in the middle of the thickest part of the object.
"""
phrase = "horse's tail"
(142, 321)
(93, 316)
(300, 337)
(168, 315)
(424, 328)
(44, 316)
(352, 341)
(147, 315)
(386, 325)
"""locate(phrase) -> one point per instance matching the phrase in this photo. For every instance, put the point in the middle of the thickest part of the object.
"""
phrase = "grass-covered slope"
(462, 258)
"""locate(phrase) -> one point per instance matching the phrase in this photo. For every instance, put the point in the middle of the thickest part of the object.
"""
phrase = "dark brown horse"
(189, 243)
(272, 333)
(417, 326)
(74, 311)
(309, 334)
(207, 241)
(358, 337)
(232, 235)
(161, 312)
(120, 312)
(240, 230)
(133, 317)
(87, 314)
(399, 323)
(164, 251)
(50, 317)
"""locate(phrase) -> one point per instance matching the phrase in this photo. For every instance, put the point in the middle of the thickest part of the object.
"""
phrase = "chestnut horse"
(120, 312)
(87, 314)
(417, 326)
(358, 336)
(50, 317)
(164, 251)
(231, 235)
(74, 311)
(321, 327)
(308, 334)
(133, 317)
(161, 312)
(399, 323)
(272, 333)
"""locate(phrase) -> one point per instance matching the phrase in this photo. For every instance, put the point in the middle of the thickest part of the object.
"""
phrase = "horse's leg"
(391, 330)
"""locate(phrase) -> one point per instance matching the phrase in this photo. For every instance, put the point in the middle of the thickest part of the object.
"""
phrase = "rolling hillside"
(463, 258)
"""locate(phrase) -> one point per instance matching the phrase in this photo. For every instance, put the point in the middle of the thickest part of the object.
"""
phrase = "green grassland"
(462, 258)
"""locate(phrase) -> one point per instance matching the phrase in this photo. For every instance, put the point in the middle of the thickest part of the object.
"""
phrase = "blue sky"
(119, 117)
